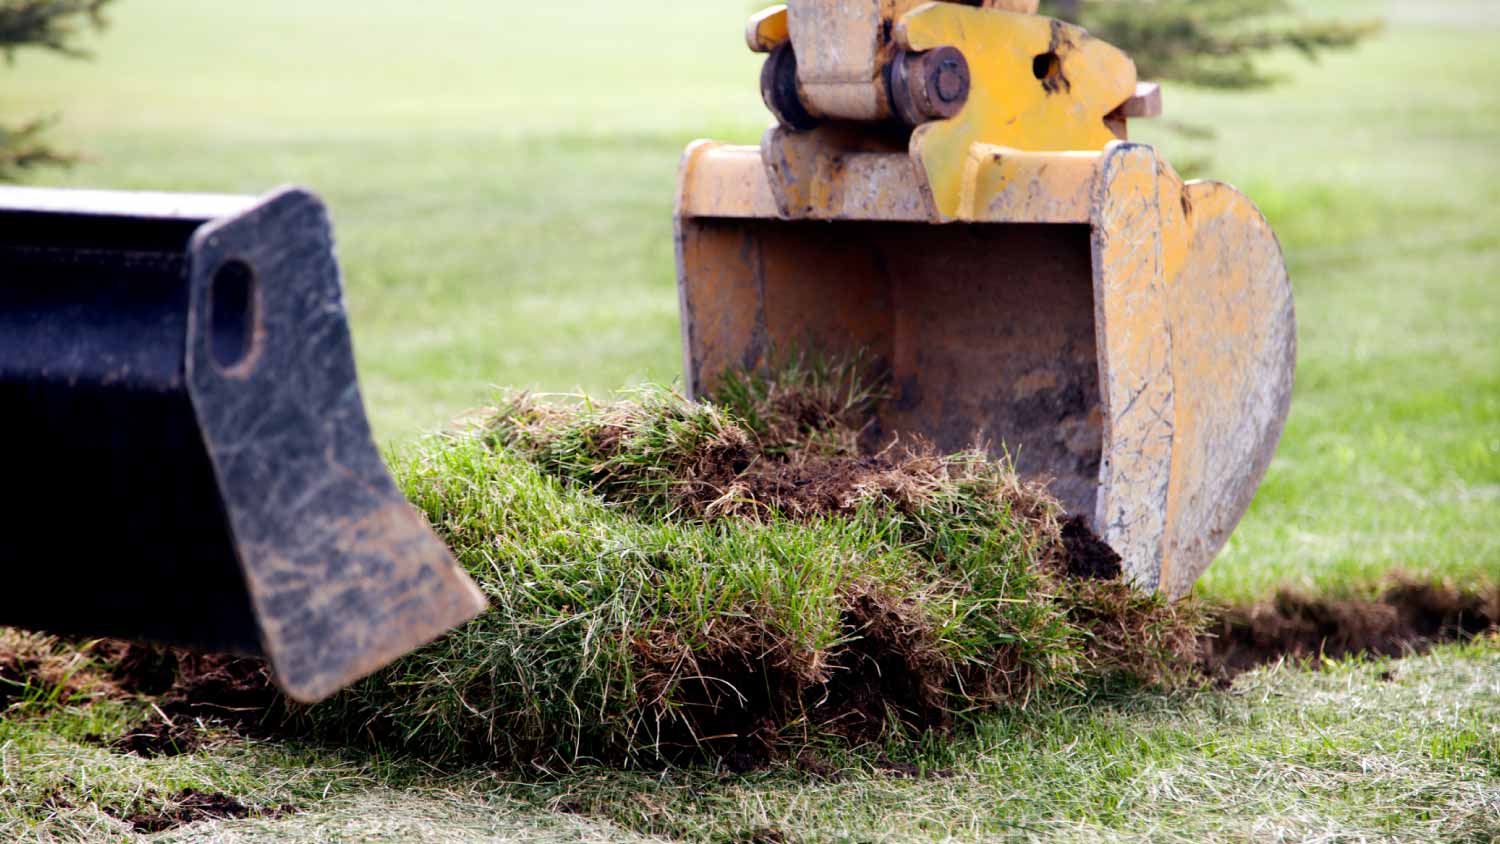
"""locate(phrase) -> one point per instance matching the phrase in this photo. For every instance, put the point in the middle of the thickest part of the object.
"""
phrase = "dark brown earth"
(1088, 557)
(153, 739)
(763, 835)
(1409, 617)
(734, 481)
(151, 815)
(892, 668)
(231, 690)
(191, 691)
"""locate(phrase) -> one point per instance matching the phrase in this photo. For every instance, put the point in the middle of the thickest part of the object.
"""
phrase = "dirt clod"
(764, 835)
(1088, 556)
(810, 764)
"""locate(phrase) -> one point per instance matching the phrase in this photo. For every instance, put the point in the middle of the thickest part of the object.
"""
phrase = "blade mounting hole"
(232, 314)
(1046, 66)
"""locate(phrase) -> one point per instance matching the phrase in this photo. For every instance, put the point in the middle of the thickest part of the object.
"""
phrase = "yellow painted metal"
(1023, 273)
(1038, 85)
(767, 30)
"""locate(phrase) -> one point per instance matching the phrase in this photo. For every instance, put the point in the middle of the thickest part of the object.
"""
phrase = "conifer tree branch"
(1212, 43)
(46, 25)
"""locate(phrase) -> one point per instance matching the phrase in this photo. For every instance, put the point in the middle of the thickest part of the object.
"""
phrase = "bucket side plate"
(344, 575)
(1197, 354)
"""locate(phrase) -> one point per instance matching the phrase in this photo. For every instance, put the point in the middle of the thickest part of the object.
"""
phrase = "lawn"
(502, 177)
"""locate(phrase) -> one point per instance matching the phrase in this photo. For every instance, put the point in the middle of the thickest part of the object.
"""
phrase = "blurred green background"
(501, 175)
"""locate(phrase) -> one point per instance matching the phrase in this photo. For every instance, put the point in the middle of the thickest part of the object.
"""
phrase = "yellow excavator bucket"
(949, 189)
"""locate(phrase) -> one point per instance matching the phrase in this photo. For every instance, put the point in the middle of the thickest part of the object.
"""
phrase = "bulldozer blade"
(1121, 335)
(191, 463)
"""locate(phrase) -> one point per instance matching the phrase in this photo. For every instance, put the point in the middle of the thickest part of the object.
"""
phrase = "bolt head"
(952, 82)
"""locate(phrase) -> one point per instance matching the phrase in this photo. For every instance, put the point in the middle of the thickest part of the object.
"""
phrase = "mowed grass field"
(501, 175)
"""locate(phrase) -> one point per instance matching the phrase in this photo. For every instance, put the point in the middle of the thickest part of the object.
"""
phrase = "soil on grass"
(738, 696)
(34, 666)
(735, 687)
(153, 739)
(1086, 556)
(151, 814)
(1409, 617)
(193, 684)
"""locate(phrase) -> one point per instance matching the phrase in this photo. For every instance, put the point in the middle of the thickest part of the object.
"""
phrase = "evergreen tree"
(48, 25)
(1213, 43)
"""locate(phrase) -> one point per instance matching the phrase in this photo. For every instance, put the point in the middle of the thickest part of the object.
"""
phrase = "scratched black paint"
(201, 472)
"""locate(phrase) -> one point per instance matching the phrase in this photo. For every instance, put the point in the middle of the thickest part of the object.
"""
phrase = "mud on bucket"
(191, 462)
(1123, 336)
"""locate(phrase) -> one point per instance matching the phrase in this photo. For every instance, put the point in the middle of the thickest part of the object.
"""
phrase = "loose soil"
(1409, 617)
(153, 739)
(231, 690)
(1087, 556)
(152, 815)
(891, 667)
(742, 691)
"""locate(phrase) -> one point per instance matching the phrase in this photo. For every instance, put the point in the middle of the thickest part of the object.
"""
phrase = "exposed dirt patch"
(799, 453)
(1409, 617)
(1130, 634)
(800, 490)
(813, 766)
(136, 668)
(728, 699)
(233, 690)
(154, 739)
(152, 815)
(1088, 557)
(229, 689)
(892, 668)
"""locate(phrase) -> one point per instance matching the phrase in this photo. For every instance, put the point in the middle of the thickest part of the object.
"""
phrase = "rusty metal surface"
(1133, 301)
(1024, 276)
(199, 467)
(778, 90)
(933, 85)
(1234, 358)
(987, 332)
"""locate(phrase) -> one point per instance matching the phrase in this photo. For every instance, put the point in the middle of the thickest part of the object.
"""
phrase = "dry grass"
(38, 671)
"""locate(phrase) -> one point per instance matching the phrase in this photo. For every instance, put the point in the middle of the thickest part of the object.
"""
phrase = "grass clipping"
(671, 578)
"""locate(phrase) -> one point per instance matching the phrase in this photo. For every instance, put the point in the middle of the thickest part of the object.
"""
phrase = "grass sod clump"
(673, 580)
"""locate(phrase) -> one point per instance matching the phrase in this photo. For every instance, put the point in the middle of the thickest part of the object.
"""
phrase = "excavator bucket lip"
(156, 205)
(297, 515)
